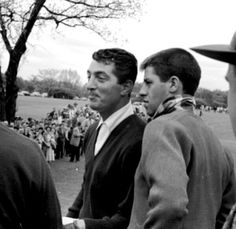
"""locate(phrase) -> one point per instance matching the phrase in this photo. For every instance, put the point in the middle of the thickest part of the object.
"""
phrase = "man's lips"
(145, 103)
(92, 96)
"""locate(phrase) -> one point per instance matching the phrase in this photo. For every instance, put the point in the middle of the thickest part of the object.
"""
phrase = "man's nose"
(91, 83)
(143, 92)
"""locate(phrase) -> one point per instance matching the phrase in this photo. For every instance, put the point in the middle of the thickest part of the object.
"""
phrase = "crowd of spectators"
(60, 134)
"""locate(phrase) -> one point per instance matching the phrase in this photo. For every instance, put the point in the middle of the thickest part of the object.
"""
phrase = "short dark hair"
(175, 62)
(124, 61)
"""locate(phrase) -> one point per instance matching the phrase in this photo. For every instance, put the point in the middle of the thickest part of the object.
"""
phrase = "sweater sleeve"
(164, 169)
(74, 210)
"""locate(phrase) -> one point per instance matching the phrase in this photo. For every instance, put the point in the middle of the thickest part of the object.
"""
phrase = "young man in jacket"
(185, 178)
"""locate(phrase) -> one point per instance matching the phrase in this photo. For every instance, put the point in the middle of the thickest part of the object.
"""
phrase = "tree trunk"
(15, 57)
(11, 86)
(2, 99)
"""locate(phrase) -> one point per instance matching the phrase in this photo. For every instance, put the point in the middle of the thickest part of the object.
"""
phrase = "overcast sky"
(164, 24)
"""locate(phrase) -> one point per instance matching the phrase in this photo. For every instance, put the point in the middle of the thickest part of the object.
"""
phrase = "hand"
(79, 224)
(75, 225)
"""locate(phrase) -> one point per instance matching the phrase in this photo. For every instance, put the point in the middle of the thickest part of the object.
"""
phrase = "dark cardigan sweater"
(106, 197)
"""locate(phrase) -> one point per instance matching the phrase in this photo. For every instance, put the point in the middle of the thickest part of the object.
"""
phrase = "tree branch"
(4, 33)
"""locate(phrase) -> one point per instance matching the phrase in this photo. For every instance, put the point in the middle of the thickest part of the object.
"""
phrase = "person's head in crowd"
(111, 77)
(168, 73)
(40, 130)
(48, 128)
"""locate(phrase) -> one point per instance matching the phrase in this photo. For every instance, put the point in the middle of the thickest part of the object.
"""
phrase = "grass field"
(38, 107)
(67, 175)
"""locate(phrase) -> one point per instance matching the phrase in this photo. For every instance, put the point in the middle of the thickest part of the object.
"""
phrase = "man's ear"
(127, 87)
(175, 85)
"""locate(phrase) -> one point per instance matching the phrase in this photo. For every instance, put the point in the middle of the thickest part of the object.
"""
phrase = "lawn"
(67, 175)
(38, 107)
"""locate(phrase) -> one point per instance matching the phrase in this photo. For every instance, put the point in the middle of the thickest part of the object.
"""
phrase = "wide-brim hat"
(218, 52)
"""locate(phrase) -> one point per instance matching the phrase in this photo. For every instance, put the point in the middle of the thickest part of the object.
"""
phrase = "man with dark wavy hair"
(112, 146)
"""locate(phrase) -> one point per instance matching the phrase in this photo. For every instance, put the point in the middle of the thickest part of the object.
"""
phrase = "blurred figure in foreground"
(226, 53)
(28, 196)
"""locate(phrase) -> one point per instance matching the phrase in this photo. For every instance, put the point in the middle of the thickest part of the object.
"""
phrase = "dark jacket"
(28, 197)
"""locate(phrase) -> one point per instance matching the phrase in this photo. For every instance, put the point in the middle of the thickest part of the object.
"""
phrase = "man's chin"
(93, 105)
(150, 113)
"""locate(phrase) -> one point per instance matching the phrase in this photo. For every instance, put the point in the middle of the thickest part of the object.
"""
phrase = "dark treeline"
(205, 97)
(64, 86)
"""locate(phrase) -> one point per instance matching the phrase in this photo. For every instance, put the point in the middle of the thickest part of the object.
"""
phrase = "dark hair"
(125, 63)
(175, 62)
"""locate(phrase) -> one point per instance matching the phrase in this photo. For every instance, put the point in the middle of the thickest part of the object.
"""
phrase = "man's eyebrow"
(97, 72)
(100, 72)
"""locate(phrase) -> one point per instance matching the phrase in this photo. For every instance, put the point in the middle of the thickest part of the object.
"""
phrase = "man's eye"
(148, 83)
(101, 77)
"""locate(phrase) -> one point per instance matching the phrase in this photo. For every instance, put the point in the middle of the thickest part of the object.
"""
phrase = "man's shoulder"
(131, 128)
(135, 121)
(12, 141)
(177, 122)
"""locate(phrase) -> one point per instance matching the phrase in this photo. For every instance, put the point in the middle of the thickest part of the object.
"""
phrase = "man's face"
(104, 89)
(153, 91)
(231, 78)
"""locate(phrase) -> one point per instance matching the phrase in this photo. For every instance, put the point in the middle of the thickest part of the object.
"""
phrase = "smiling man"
(185, 178)
(112, 145)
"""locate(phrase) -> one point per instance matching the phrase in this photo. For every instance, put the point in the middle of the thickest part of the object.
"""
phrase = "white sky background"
(164, 24)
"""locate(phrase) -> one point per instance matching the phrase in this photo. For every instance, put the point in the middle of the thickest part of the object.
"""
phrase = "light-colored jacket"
(185, 178)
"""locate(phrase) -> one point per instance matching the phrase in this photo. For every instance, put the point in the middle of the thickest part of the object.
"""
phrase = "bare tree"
(18, 18)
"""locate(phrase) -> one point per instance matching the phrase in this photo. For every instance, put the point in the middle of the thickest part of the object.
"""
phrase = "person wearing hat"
(185, 176)
(226, 53)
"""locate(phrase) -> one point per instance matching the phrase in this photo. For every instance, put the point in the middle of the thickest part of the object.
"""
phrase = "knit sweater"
(106, 197)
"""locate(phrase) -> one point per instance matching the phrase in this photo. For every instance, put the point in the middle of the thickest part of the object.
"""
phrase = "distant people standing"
(61, 139)
(39, 137)
(48, 145)
(75, 143)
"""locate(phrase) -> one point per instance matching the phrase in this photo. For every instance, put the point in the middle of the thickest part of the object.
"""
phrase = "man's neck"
(106, 115)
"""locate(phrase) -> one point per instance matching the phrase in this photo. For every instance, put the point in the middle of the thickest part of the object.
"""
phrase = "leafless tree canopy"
(91, 14)
(19, 17)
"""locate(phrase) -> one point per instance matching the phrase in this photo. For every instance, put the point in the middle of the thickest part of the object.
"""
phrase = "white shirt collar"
(117, 117)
